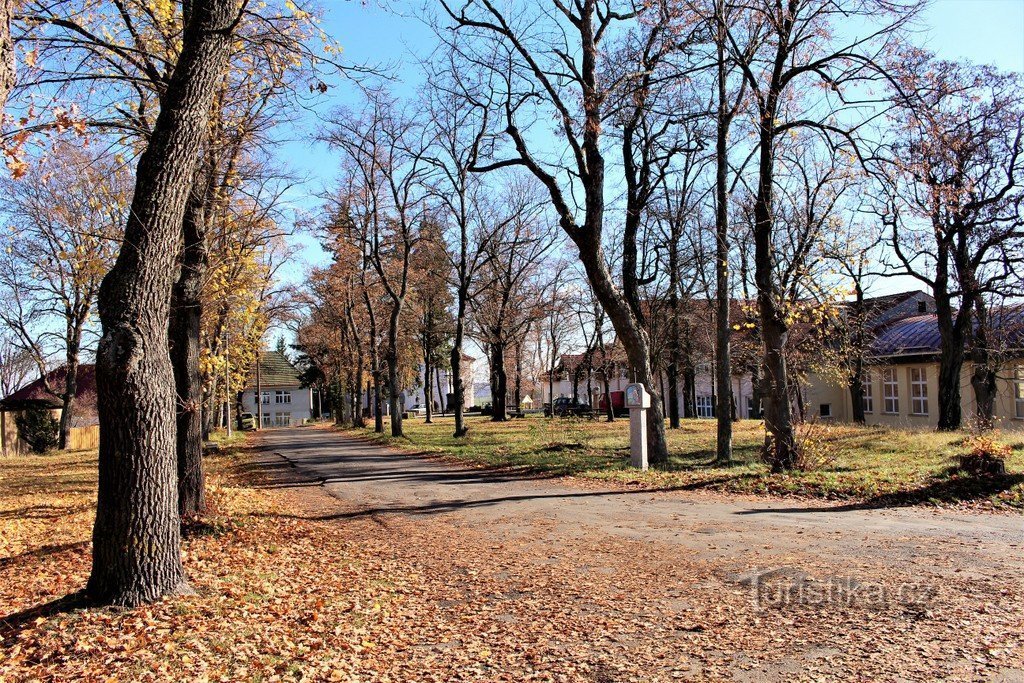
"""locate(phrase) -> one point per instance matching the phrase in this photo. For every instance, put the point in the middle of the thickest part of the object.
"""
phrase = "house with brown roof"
(84, 420)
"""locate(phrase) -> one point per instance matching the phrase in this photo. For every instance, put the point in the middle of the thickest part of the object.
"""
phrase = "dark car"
(565, 407)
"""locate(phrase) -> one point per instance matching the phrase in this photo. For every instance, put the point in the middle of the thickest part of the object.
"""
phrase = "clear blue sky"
(983, 31)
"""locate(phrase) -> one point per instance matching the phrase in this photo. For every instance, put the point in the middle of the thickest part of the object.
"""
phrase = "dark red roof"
(36, 393)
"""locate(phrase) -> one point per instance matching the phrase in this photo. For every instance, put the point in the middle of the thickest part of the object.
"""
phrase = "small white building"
(283, 401)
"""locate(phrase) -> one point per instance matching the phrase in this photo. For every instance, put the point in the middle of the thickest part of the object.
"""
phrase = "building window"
(1018, 391)
(705, 406)
(825, 410)
(754, 412)
(869, 392)
(265, 398)
(282, 397)
(918, 391)
(266, 419)
(282, 419)
(890, 392)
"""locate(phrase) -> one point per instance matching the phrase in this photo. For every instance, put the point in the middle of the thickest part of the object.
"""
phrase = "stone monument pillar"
(638, 401)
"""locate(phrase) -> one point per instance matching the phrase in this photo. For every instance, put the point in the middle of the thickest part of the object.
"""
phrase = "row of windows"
(277, 420)
(279, 397)
(919, 391)
(891, 391)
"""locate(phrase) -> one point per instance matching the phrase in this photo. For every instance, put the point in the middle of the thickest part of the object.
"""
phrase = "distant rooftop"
(275, 371)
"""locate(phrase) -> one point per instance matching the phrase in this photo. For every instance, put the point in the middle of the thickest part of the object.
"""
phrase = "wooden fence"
(80, 439)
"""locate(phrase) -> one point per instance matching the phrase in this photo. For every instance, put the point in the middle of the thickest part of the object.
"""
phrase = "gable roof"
(275, 371)
(35, 393)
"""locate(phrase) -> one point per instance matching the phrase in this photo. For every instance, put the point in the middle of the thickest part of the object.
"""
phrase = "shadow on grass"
(950, 488)
(12, 624)
(44, 511)
(44, 551)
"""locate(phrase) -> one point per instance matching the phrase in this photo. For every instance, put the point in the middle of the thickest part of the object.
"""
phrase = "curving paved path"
(748, 533)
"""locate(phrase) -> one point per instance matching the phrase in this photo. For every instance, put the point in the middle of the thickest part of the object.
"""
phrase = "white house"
(283, 400)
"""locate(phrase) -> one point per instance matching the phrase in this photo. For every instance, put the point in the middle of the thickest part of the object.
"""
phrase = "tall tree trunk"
(357, 404)
(952, 338)
(68, 405)
(857, 392)
(633, 338)
(394, 390)
(672, 370)
(442, 401)
(983, 375)
(723, 338)
(609, 408)
(689, 390)
(70, 390)
(185, 324)
(428, 389)
(394, 396)
(378, 404)
(499, 391)
(136, 538)
(458, 386)
(855, 381)
(779, 450)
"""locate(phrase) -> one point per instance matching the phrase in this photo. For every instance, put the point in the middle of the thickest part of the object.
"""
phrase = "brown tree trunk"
(378, 416)
(395, 406)
(136, 538)
(458, 387)
(983, 376)
(68, 407)
(633, 338)
(857, 393)
(185, 323)
(952, 338)
(500, 384)
(428, 389)
(723, 338)
(67, 413)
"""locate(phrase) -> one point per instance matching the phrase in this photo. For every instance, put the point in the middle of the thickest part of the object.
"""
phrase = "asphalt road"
(748, 533)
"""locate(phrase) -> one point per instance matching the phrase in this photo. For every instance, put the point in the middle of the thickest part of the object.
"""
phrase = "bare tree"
(511, 294)
(803, 47)
(953, 208)
(16, 364)
(387, 151)
(67, 221)
(471, 220)
(548, 63)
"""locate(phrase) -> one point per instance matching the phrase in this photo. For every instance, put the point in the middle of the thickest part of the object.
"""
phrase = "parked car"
(246, 422)
(618, 404)
(565, 407)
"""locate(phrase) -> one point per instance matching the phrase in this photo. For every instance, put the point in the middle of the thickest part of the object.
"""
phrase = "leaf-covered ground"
(292, 585)
(875, 466)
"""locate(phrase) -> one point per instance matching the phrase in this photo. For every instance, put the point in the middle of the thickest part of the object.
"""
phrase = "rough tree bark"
(499, 382)
(723, 333)
(70, 383)
(185, 323)
(136, 537)
(391, 359)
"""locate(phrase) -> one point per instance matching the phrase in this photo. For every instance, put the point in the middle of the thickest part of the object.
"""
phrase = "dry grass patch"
(866, 465)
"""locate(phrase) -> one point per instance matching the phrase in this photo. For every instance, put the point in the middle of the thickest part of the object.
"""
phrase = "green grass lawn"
(869, 465)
